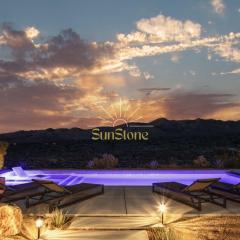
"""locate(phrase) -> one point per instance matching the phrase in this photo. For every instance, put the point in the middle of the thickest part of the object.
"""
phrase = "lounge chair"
(193, 195)
(29, 190)
(7, 192)
(60, 196)
(230, 191)
(53, 194)
(19, 172)
(16, 188)
(72, 179)
(234, 172)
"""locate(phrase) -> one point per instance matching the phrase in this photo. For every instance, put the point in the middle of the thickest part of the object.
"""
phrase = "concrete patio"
(136, 202)
(96, 235)
(123, 213)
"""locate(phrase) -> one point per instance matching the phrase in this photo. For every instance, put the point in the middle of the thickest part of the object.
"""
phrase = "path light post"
(39, 223)
(162, 210)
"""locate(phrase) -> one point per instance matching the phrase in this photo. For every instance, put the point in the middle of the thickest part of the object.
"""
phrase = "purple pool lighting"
(119, 177)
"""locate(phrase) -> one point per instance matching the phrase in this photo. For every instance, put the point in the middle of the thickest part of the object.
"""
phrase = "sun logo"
(120, 112)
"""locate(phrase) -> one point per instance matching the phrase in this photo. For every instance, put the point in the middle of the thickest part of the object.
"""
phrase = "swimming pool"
(118, 177)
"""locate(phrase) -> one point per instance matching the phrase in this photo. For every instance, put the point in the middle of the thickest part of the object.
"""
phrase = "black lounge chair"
(230, 191)
(234, 172)
(19, 187)
(59, 196)
(6, 191)
(193, 195)
(9, 194)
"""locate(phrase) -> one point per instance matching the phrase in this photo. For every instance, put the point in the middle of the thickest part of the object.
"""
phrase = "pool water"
(119, 177)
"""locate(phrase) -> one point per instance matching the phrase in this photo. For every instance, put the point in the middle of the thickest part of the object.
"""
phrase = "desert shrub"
(170, 166)
(90, 164)
(173, 165)
(223, 228)
(107, 161)
(230, 158)
(219, 163)
(153, 164)
(3, 151)
(59, 219)
(201, 162)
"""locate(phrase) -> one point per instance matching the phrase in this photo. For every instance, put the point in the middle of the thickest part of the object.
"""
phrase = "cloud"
(133, 70)
(34, 104)
(32, 32)
(175, 58)
(218, 6)
(180, 104)
(169, 29)
(161, 29)
(227, 113)
(209, 57)
(152, 91)
(69, 56)
(228, 51)
(235, 71)
(59, 81)
(192, 72)
(41, 104)
(68, 50)
(164, 35)
(61, 56)
(190, 105)
(224, 46)
(17, 41)
(147, 75)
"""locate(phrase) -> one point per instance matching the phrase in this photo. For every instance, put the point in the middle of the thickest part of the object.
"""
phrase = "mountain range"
(171, 142)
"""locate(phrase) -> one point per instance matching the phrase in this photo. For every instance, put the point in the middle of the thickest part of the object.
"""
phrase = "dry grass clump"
(162, 233)
(209, 228)
(59, 219)
(199, 228)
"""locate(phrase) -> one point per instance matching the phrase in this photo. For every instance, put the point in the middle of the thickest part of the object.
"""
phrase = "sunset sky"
(68, 63)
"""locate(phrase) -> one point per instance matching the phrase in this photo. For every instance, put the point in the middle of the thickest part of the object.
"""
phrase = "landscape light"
(162, 209)
(39, 223)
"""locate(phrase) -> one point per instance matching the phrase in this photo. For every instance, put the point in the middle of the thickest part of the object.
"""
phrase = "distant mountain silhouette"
(170, 141)
(161, 127)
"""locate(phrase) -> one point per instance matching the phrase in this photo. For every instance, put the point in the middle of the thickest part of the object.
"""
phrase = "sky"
(88, 63)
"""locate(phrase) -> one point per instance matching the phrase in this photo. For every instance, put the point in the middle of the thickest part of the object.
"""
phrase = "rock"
(11, 220)
(14, 238)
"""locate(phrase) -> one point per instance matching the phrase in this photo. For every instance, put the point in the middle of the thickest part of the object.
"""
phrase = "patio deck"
(124, 213)
(97, 235)
(138, 202)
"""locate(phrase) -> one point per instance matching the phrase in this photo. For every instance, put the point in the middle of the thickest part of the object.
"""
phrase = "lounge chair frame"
(229, 190)
(192, 199)
(57, 199)
(33, 196)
